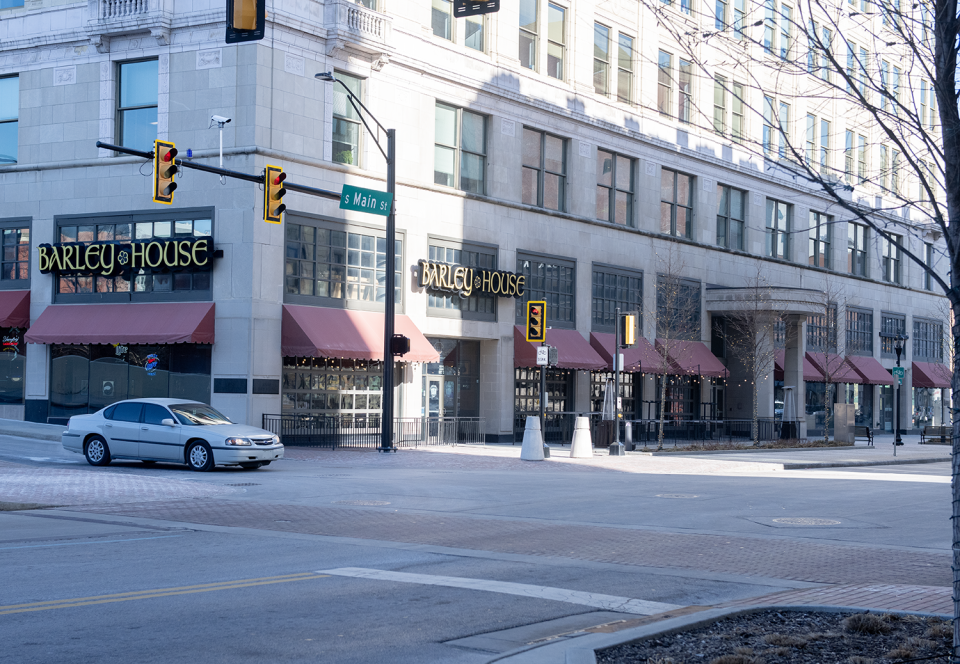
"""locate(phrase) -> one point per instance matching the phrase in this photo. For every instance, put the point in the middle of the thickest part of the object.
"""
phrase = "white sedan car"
(174, 430)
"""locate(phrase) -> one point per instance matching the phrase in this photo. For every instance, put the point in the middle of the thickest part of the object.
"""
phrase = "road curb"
(750, 450)
(582, 649)
(857, 464)
(36, 430)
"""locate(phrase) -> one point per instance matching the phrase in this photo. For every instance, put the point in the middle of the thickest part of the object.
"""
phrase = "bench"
(935, 435)
(863, 432)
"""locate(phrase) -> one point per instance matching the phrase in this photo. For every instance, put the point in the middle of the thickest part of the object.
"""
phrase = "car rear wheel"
(97, 452)
(200, 457)
(253, 465)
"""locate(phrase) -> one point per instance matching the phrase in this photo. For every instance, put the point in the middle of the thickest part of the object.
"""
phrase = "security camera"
(219, 119)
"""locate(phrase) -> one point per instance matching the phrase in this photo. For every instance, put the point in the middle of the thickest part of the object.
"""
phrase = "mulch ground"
(775, 637)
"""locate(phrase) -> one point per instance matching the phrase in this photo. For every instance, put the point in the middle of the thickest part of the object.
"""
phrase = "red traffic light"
(280, 178)
(170, 154)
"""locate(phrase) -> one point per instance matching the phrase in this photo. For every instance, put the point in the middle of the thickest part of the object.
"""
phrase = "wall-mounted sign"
(465, 281)
(108, 259)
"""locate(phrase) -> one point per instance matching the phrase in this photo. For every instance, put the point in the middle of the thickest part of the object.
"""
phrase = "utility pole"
(389, 301)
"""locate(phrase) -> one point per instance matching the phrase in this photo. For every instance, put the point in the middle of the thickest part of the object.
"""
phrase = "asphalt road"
(164, 565)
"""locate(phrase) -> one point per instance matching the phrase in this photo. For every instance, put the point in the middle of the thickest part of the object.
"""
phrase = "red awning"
(573, 351)
(643, 357)
(15, 308)
(692, 358)
(346, 333)
(810, 373)
(931, 374)
(836, 367)
(872, 371)
(140, 323)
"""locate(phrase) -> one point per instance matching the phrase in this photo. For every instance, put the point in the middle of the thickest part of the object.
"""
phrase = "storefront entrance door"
(441, 396)
(451, 386)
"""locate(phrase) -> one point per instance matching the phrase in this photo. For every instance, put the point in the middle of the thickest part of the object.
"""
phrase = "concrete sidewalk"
(35, 430)
(579, 647)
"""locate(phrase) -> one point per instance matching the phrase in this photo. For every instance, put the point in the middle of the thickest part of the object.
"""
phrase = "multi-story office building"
(565, 144)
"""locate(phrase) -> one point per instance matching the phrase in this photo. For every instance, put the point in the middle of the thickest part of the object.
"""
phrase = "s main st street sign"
(370, 201)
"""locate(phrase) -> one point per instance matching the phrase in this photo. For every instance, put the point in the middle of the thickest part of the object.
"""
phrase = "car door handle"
(109, 426)
(144, 428)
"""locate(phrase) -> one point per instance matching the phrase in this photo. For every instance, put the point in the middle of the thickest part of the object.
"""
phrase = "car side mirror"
(168, 422)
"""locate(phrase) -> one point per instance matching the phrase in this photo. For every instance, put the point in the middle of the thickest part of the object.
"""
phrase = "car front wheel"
(97, 452)
(200, 457)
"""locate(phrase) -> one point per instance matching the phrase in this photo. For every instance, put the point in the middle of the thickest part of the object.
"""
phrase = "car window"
(154, 414)
(198, 414)
(127, 412)
(108, 413)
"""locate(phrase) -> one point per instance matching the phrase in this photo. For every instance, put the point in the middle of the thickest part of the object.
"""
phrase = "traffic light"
(245, 20)
(537, 321)
(164, 170)
(273, 191)
(628, 330)
(399, 345)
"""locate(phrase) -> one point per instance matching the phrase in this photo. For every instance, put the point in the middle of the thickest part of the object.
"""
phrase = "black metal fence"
(364, 432)
(558, 429)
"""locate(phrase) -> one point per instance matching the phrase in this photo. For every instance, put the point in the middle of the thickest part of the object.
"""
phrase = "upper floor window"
(339, 264)
(720, 14)
(891, 326)
(678, 308)
(720, 105)
(601, 59)
(676, 203)
(613, 289)
(615, 175)
(737, 116)
(928, 261)
(529, 33)
(8, 4)
(16, 252)
(857, 249)
(778, 228)
(776, 123)
(739, 11)
(460, 149)
(891, 258)
(9, 116)
(730, 212)
(556, 40)
(820, 235)
(442, 19)
(346, 121)
(624, 68)
(137, 109)
(859, 332)
(822, 330)
(159, 283)
(553, 281)
(664, 82)
(544, 169)
(927, 341)
(479, 306)
(685, 91)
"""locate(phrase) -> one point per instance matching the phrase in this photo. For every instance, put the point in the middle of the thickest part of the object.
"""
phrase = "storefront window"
(12, 362)
(451, 387)
(819, 405)
(552, 281)
(145, 280)
(16, 255)
(598, 390)
(85, 378)
(682, 398)
(323, 262)
(478, 303)
(927, 407)
(318, 386)
(861, 396)
(527, 395)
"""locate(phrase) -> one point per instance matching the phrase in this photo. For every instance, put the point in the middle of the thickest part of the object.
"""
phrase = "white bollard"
(532, 448)
(582, 445)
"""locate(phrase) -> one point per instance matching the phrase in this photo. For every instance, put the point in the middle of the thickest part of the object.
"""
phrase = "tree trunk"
(955, 474)
(663, 401)
(756, 416)
(827, 417)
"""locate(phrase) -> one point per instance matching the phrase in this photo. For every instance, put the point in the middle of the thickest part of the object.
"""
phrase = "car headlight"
(238, 441)
(276, 440)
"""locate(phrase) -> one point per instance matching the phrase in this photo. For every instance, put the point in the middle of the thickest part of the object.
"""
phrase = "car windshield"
(198, 414)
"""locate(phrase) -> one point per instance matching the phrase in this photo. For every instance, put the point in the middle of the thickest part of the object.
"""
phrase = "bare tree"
(889, 69)
(678, 320)
(750, 334)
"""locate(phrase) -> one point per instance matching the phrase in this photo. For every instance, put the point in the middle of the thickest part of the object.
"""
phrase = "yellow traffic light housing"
(537, 321)
(628, 330)
(245, 20)
(273, 191)
(164, 171)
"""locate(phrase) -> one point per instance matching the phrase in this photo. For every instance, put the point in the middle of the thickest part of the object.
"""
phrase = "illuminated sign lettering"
(108, 259)
(465, 281)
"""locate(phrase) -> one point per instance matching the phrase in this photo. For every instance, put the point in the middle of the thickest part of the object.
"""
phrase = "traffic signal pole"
(259, 179)
(616, 380)
(389, 300)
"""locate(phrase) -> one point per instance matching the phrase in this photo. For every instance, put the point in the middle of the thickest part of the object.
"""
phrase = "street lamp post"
(389, 302)
(898, 349)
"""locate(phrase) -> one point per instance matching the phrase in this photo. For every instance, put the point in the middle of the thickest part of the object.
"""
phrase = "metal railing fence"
(335, 431)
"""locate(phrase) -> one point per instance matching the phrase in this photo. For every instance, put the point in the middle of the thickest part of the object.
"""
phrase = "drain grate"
(806, 521)
(368, 503)
(244, 484)
(678, 495)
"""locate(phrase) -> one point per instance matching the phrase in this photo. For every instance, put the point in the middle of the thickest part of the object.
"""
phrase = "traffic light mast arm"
(303, 189)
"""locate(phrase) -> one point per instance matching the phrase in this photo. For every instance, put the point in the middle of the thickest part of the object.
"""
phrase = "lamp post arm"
(352, 98)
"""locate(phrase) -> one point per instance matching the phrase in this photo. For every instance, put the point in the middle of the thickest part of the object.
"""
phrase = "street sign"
(898, 373)
(370, 201)
(463, 8)
(543, 355)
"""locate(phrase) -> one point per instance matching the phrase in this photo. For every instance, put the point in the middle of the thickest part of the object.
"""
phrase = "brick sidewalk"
(798, 560)
(922, 599)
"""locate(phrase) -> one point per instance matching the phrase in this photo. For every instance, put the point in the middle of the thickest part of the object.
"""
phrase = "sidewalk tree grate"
(806, 521)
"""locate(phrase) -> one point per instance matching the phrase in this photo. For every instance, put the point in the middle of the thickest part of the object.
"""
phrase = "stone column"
(793, 367)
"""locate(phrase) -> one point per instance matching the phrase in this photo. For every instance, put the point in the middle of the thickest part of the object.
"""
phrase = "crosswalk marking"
(596, 600)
